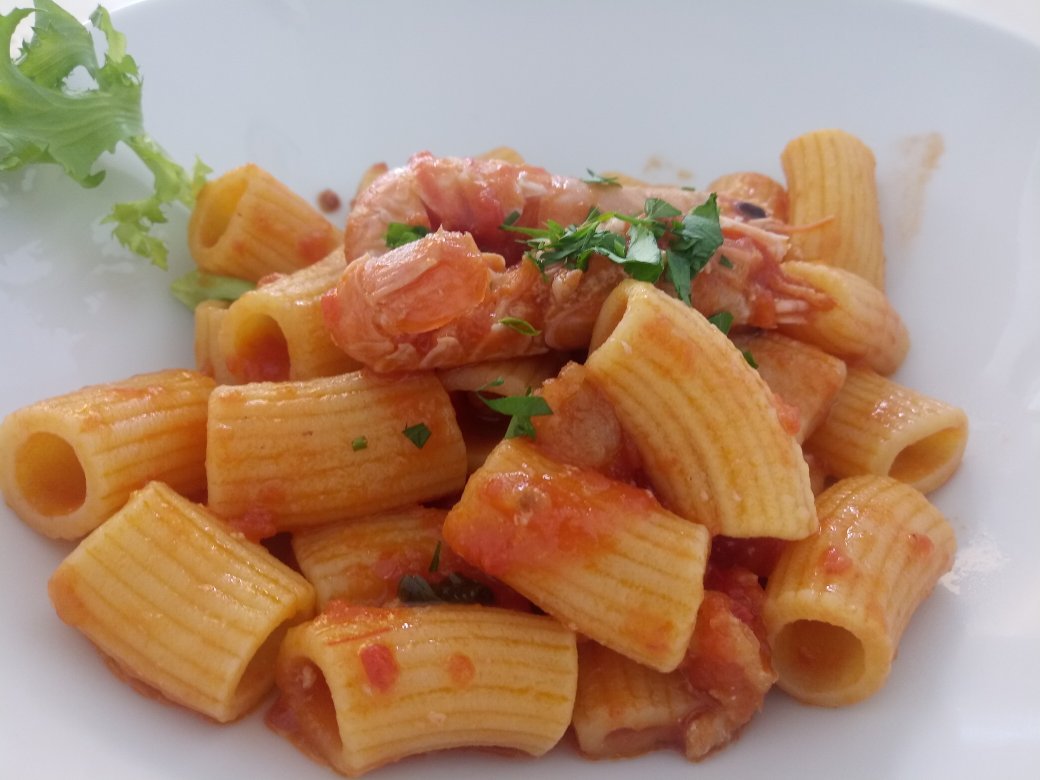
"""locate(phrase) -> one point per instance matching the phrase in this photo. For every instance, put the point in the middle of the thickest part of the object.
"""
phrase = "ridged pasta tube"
(276, 332)
(702, 419)
(877, 426)
(281, 455)
(830, 176)
(247, 223)
(838, 602)
(181, 603)
(67, 463)
(364, 686)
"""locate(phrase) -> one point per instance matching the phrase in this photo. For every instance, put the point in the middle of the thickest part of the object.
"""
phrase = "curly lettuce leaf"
(47, 118)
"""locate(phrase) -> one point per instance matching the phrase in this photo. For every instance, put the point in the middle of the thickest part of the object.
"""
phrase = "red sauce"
(834, 561)
(461, 669)
(313, 246)
(380, 665)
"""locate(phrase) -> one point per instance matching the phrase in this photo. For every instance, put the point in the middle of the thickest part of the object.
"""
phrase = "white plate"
(317, 91)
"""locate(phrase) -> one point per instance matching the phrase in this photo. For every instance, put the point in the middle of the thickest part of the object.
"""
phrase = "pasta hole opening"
(259, 673)
(315, 709)
(817, 657)
(261, 352)
(223, 196)
(927, 456)
(49, 475)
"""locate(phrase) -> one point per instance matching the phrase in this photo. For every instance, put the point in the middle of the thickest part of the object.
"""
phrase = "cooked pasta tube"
(362, 560)
(601, 556)
(181, 603)
(831, 181)
(703, 420)
(246, 223)
(281, 455)
(68, 462)
(838, 602)
(209, 359)
(363, 686)
(516, 375)
(276, 332)
(861, 326)
(624, 708)
(802, 375)
(877, 426)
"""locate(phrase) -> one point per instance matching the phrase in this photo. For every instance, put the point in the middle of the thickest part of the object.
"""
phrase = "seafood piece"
(440, 301)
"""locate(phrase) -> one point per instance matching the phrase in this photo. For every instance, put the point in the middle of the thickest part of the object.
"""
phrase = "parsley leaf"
(606, 181)
(197, 286)
(417, 434)
(689, 242)
(44, 120)
(521, 409)
(519, 325)
(360, 443)
(723, 320)
(399, 234)
(453, 589)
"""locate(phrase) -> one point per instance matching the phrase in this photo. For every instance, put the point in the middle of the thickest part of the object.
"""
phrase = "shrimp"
(440, 301)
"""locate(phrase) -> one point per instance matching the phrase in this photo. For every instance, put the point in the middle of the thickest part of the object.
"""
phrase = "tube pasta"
(68, 462)
(181, 603)
(725, 460)
(248, 224)
(877, 426)
(600, 555)
(830, 178)
(209, 358)
(838, 602)
(276, 332)
(802, 375)
(861, 327)
(361, 560)
(282, 455)
(624, 708)
(363, 686)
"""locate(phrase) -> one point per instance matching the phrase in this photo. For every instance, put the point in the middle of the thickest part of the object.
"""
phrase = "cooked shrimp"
(439, 302)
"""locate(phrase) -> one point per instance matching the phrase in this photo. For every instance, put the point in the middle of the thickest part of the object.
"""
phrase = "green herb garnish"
(197, 286)
(722, 320)
(595, 178)
(453, 589)
(399, 234)
(417, 434)
(48, 116)
(689, 242)
(360, 443)
(520, 408)
(519, 325)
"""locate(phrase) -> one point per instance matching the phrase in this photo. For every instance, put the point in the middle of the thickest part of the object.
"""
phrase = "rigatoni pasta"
(878, 426)
(838, 602)
(181, 603)
(365, 686)
(68, 462)
(832, 191)
(601, 556)
(725, 461)
(247, 224)
(619, 467)
(282, 455)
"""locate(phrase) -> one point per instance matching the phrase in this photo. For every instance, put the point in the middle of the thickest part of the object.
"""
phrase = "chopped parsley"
(660, 241)
(519, 325)
(520, 408)
(417, 434)
(453, 589)
(360, 443)
(399, 234)
(722, 320)
(595, 178)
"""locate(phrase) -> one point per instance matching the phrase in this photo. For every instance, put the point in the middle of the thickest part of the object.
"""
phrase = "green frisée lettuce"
(46, 116)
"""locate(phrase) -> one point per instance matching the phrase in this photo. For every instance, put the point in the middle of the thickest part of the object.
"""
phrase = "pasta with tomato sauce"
(529, 452)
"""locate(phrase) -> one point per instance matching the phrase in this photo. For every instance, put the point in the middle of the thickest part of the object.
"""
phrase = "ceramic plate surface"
(316, 91)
